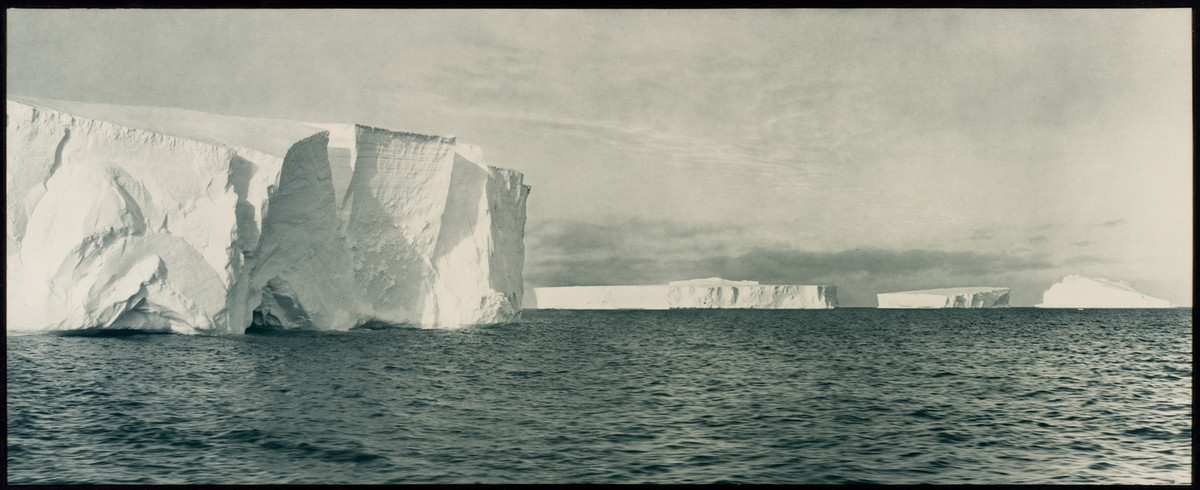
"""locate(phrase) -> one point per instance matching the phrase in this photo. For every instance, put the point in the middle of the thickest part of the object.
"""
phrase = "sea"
(850, 395)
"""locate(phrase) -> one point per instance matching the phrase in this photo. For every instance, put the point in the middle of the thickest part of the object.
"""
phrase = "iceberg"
(689, 294)
(719, 293)
(1076, 291)
(171, 220)
(966, 297)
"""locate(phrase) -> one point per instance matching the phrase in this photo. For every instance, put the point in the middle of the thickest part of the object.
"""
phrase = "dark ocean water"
(1014, 395)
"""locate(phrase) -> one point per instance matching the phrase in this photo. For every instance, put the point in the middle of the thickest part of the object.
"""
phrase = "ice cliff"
(171, 220)
(1083, 292)
(696, 293)
(973, 297)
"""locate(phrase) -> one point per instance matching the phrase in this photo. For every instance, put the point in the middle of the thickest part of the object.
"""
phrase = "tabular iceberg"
(1083, 292)
(195, 223)
(696, 293)
(970, 297)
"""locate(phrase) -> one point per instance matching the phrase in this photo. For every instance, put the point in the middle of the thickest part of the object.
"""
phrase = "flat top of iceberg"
(712, 281)
(1076, 279)
(951, 291)
(271, 136)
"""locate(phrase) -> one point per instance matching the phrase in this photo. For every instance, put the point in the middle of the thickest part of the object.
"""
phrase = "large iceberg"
(1083, 292)
(695, 293)
(170, 220)
(969, 297)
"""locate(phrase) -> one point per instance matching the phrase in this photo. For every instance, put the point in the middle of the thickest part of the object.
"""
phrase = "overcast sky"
(878, 150)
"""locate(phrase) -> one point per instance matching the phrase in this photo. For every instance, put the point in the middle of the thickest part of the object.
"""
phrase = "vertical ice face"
(115, 227)
(401, 228)
(783, 296)
(111, 226)
(299, 275)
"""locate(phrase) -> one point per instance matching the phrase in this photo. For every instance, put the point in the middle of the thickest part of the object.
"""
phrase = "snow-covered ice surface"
(164, 219)
(968, 297)
(695, 293)
(712, 281)
(1076, 291)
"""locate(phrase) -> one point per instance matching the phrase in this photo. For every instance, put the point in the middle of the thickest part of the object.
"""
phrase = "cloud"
(632, 238)
(1039, 239)
(1088, 259)
(982, 234)
(705, 157)
(1111, 224)
(783, 265)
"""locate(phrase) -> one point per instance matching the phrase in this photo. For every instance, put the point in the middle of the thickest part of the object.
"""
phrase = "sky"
(877, 150)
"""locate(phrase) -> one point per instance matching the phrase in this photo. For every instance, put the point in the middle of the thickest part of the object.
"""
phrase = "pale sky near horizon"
(878, 150)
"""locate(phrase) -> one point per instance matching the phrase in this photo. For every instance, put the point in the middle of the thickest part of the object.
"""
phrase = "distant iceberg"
(970, 297)
(712, 292)
(1084, 292)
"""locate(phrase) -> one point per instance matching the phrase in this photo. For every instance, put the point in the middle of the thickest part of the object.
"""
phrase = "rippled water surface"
(849, 395)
